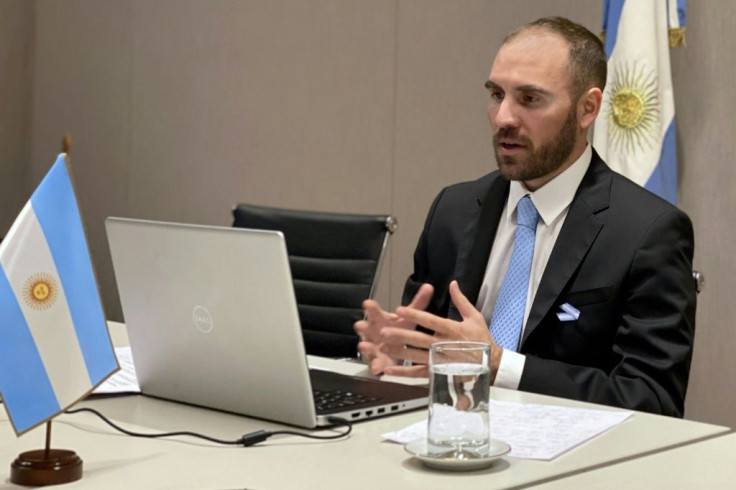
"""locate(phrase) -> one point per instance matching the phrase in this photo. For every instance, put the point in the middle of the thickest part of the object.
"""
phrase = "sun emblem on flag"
(40, 291)
(633, 108)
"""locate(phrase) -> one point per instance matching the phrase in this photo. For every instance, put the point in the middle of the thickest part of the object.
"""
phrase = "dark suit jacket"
(623, 258)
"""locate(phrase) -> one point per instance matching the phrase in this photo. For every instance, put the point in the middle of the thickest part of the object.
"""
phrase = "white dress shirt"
(552, 201)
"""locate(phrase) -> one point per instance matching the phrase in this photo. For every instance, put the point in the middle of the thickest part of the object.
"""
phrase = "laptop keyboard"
(330, 400)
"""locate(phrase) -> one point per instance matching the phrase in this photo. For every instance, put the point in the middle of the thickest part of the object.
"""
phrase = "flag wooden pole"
(47, 454)
(47, 466)
(66, 144)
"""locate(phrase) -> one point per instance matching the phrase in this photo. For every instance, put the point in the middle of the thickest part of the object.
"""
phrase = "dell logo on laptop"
(202, 319)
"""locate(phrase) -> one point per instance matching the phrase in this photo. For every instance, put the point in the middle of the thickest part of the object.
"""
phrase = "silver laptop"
(212, 321)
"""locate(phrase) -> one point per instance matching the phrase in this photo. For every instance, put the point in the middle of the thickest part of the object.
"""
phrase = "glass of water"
(459, 389)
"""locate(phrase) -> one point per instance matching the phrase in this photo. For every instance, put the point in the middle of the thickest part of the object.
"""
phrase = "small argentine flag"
(635, 132)
(54, 343)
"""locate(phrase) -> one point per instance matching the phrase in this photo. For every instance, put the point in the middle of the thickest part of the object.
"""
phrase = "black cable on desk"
(245, 441)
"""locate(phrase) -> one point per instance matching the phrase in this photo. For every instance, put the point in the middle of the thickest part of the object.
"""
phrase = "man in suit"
(608, 313)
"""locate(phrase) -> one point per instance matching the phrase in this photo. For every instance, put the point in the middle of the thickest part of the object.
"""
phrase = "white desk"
(115, 461)
(707, 464)
(362, 461)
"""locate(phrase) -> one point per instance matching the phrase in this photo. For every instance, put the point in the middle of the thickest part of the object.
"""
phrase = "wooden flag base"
(46, 467)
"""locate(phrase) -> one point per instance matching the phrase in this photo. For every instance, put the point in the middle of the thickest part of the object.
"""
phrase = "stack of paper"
(534, 431)
(125, 380)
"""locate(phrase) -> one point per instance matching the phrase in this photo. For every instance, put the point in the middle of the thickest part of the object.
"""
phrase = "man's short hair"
(588, 67)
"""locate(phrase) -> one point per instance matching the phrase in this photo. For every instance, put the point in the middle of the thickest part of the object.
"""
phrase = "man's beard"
(543, 160)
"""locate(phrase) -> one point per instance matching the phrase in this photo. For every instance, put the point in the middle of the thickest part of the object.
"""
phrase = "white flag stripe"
(52, 328)
(641, 49)
(673, 15)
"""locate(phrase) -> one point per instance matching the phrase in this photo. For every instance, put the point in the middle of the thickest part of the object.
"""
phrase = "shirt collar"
(555, 196)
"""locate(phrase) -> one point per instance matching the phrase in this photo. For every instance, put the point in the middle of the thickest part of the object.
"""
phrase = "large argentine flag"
(635, 132)
(54, 343)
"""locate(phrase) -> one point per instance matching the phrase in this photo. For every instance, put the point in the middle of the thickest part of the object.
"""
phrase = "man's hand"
(376, 318)
(411, 345)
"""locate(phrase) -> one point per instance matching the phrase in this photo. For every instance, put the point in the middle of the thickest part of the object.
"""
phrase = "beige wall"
(702, 75)
(16, 62)
(180, 109)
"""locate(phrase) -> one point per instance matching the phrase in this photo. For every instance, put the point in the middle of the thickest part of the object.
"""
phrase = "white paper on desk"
(125, 380)
(534, 431)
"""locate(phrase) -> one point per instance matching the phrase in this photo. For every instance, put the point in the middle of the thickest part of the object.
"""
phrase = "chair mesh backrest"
(334, 260)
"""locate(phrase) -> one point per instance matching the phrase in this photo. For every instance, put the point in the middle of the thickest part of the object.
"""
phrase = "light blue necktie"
(508, 314)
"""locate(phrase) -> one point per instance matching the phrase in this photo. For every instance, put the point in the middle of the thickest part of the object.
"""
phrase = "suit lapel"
(577, 235)
(478, 239)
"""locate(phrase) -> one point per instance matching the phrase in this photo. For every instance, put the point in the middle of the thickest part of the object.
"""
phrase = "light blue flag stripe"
(29, 396)
(663, 181)
(682, 12)
(611, 17)
(668, 177)
(56, 210)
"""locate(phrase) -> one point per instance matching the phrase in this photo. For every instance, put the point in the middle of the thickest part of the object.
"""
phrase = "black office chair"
(699, 280)
(335, 262)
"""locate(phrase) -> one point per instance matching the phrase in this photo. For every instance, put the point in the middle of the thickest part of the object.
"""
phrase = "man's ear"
(588, 107)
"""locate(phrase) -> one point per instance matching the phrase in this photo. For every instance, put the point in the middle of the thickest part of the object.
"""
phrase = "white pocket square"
(569, 313)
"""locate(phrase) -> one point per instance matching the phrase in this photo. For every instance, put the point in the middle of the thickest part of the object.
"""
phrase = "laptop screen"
(212, 320)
